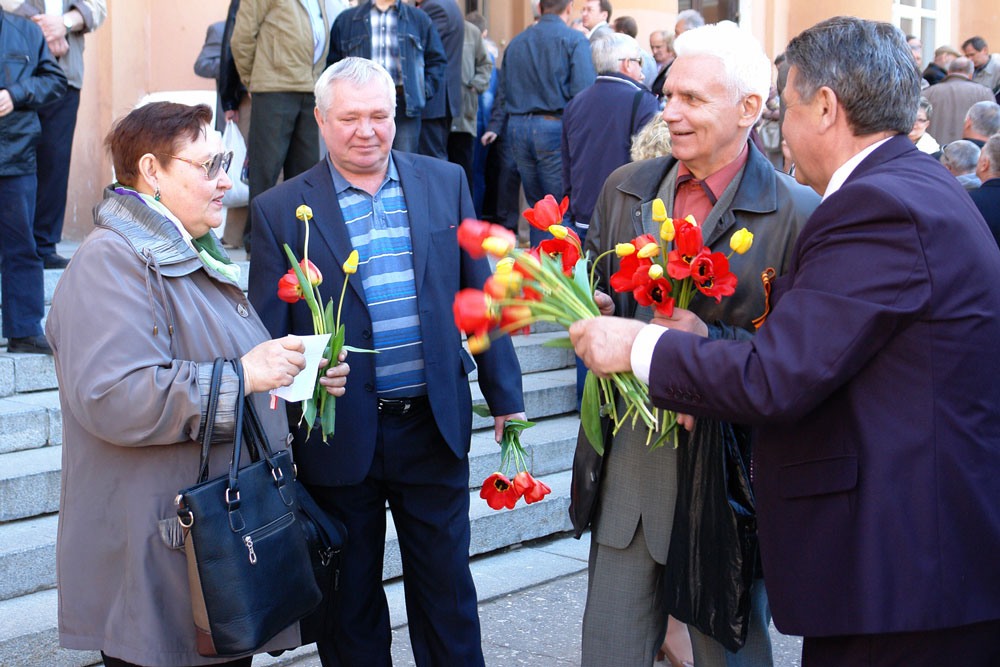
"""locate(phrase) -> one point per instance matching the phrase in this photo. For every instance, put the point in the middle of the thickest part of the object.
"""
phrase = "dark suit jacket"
(437, 199)
(447, 19)
(987, 200)
(874, 384)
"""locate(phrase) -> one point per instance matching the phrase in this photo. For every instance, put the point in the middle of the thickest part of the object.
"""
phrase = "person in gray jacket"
(64, 24)
(148, 302)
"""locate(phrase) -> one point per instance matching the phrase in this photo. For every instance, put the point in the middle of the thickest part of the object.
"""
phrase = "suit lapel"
(418, 212)
(328, 220)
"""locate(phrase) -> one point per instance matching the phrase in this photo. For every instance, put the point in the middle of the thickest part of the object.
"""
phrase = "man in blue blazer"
(872, 381)
(403, 428)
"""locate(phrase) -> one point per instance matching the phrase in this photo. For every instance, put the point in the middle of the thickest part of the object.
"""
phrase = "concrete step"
(28, 624)
(29, 483)
(546, 393)
(27, 545)
(30, 420)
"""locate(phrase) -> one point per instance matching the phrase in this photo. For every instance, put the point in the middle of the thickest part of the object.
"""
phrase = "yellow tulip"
(351, 265)
(479, 344)
(690, 218)
(667, 230)
(659, 210)
(655, 272)
(558, 231)
(624, 249)
(304, 213)
(741, 241)
(649, 250)
(497, 246)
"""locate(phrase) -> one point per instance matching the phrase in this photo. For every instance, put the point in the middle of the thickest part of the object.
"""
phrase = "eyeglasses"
(637, 61)
(923, 120)
(212, 164)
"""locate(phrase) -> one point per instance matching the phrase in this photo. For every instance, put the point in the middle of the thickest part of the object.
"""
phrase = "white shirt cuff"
(642, 350)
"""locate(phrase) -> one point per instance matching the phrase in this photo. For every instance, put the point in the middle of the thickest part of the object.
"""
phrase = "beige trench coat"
(132, 403)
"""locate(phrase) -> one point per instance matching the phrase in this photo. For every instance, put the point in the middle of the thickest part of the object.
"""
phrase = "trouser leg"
(273, 118)
(434, 137)
(53, 153)
(460, 147)
(23, 295)
(303, 146)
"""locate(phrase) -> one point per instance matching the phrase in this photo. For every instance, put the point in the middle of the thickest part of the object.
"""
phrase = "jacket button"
(366, 334)
(369, 386)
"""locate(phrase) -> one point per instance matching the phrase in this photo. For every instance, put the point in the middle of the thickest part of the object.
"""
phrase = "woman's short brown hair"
(158, 128)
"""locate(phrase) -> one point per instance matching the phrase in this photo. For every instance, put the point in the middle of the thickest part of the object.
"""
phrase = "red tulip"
(538, 491)
(473, 311)
(632, 272)
(654, 293)
(520, 265)
(711, 275)
(471, 234)
(514, 314)
(546, 212)
(311, 272)
(498, 492)
(288, 287)
(568, 250)
(523, 482)
(688, 238)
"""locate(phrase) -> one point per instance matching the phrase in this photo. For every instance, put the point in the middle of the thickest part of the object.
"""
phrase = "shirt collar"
(720, 180)
(845, 170)
(596, 28)
(340, 183)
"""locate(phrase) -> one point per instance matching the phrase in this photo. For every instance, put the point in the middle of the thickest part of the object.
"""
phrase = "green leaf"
(328, 420)
(590, 413)
(482, 410)
(351, 348)
(581, 280)
(329, 314)
(309, 414)
(558, 342)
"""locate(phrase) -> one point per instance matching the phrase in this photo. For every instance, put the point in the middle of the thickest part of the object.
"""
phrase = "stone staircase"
(30, 462)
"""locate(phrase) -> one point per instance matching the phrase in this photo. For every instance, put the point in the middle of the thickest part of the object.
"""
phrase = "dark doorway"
(713, 10)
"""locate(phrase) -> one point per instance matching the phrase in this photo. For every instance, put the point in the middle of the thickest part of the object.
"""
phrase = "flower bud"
(351, 265)
(690, 219)
(311, 272)
(659, 210)
(304, 213)
(558, 231)
(479, 344)
(648, 250)
(655, 272)
(741, 241)
(624, 249)
(497, 246)
(667, 231)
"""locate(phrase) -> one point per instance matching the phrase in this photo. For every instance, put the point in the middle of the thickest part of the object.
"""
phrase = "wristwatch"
(68, 22)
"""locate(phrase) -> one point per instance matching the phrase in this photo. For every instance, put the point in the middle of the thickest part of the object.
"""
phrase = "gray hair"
(358, 71)
(961, 65)
(653, 140)
(692, 19)
(991, 149)
(984, 118)
(926, 105)
(747, 69)
(960, 157)
(607, 52)
(869, 67)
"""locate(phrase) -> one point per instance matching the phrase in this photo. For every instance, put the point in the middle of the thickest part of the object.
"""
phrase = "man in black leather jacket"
(29, 78)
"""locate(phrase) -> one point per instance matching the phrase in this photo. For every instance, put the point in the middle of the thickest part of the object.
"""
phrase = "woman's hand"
(335, 379)
(273, 363)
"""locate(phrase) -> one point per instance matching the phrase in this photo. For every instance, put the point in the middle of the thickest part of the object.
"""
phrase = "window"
(929, 20)
(713, 10)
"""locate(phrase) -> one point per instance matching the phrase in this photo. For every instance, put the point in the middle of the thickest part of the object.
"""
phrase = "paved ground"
(540, 627)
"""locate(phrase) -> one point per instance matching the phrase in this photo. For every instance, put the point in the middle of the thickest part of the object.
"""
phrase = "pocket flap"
(818, 477)
(468, 363)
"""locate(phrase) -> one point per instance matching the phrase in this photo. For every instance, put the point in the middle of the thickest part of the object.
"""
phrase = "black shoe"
(55, 261)
(29, 344)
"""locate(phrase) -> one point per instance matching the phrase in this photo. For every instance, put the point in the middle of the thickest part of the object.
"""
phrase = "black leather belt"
(402, 406)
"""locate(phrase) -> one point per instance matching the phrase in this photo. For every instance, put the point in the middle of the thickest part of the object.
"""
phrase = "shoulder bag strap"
(210, 412)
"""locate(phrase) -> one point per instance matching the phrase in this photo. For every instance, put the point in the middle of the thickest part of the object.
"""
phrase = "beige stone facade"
(150, 46)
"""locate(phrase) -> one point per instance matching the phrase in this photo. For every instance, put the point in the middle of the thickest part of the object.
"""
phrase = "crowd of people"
(858, 366)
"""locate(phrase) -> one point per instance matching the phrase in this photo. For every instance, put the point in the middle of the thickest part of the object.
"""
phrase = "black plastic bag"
(713, 543)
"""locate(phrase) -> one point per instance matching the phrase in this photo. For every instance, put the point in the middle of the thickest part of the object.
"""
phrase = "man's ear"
(827, 108)
(750, 110)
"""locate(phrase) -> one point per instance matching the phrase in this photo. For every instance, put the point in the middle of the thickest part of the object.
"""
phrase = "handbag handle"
(210, 412)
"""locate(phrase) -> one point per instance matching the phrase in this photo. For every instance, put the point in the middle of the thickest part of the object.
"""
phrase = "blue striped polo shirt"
(379, 228)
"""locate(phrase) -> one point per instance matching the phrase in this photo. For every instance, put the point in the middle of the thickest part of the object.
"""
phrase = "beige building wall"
(150, 46)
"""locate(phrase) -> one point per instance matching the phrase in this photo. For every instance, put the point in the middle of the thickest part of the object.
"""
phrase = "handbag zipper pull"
(249, 542)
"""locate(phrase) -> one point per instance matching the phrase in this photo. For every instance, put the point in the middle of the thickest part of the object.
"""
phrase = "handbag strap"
(210, 412)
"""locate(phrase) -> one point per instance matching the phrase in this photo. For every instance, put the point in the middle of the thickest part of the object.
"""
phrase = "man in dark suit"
(872, 381)
(403, 428)
(987, 197)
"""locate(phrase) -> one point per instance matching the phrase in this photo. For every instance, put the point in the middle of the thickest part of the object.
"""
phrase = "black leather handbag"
(250, 545)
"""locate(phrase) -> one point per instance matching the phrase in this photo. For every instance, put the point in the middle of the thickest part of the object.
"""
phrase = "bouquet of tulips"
(669, 271)
(302, 282)
(550, 283)
(500, 490)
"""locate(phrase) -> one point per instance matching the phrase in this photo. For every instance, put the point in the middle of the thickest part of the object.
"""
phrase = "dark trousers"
(460, 152)
(976, 645)
(434, 137)
(115, 662)
(536, 141)
(427, 489)
(283, 137)
(22, 295)
(407, 137)
(53, 153)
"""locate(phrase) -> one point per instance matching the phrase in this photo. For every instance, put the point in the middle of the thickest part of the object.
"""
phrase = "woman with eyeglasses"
(148, 302)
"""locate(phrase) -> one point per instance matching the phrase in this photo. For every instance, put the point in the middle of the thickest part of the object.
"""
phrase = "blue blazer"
(874, 385)
(437, 200)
